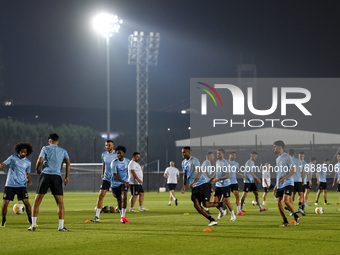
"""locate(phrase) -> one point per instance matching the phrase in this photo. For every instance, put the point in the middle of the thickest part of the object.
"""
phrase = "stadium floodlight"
(107, 24)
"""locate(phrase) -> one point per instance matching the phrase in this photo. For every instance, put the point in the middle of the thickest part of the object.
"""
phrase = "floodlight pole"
(108, 86)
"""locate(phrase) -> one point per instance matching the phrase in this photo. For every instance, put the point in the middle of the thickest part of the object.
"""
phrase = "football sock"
(98, 210)
(3, 218)
(306, 202)
(232, 213)
(285, 220)
(34, 221)
(316, 201)
(122, 212)
(300, 205)
(303, 207)
(242, 202)
(29, 215)
(326, 201)
(258, 202)
(238, 208)
(141, 207)
(61, 224)
(295, 216)
(210, 218)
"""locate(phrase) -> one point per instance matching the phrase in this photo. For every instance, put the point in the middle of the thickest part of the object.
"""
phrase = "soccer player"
(120, 181)
(298, 176)
(107, 157)
(208, 170)
(322, 182)
(18, 175)
(172, 175)
(283, 189)
(136, 181)
(249, 181)
(222, 181)
(51, 159)
(308, 178)
(235, 169)
(337, 175)
(266, 182)
(199, 183)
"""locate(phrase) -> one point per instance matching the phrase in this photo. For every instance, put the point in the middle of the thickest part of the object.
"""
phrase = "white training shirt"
(133, 165)
(266, 176)
(172, 173)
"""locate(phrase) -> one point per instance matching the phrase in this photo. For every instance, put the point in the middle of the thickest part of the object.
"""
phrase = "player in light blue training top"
(234, 170)
(249, 182)
(210, 172)
(222, 181)
(308, 178)
(298, 176)
(199, 183)
(107, 157)
(17, 177)
(322, 181)
(337, 175)
(120, 181)
(51, 159)
(284, 169)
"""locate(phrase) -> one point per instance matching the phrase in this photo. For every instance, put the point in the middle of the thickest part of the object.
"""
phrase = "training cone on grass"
(207, 230)
(88, 220)
(292, 222)
(186, 213)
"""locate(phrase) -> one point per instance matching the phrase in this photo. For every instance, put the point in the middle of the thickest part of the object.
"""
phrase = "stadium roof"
(266, 136)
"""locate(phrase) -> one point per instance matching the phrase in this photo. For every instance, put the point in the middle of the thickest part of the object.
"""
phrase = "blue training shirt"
(207, 168)
(189, 168)
(18, 167)
(222, 169)
(322, 172)
(121, 169)
(337, 170)
(298, 164)
(54, 157)
(284, 164)
(107, 158)
(307, 167)
(249, 166)
(234, 168)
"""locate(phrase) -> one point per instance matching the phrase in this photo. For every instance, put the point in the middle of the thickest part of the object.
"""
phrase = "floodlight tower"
(107, 24)
(143, 51)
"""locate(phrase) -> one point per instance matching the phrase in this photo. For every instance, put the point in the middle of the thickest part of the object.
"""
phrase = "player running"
(120, 181)
(199, 183)
(234, 170)
(17, 177)
(283, 189)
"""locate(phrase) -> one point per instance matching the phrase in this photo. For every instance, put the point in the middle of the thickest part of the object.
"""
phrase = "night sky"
(51, 55)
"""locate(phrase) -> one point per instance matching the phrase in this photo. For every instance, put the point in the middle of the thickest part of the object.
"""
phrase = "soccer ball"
(112, 209)
(318, 210)
(18, 208)
(254, 202)
(105, 209)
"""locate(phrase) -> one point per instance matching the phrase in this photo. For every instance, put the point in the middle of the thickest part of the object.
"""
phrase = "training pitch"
(170, 229)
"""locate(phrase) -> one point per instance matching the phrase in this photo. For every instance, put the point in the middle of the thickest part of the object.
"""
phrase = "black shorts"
(201, 193)
(298, 187)
(10, 192)
(225, 191)
(52, 181)
(117, 191)
(172, 186)
(136, 189)
(234, 187)
(288, 190)
(338, 187)
(323, 185)
(249, 187)
(266, 190)
(105, 185)
(306, 186)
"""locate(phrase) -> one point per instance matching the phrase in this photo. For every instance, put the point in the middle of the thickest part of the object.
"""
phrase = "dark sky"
(52, 56)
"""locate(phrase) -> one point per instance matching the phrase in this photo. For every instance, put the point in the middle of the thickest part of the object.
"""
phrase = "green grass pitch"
(169, 229)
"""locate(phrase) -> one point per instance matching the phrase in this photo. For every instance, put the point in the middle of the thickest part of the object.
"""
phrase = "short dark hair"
(312, 159)
(135, 153)
(291, 152)
(121, 148)
(253, 153)
(221, 150)
(302, 153)
(232, 152)
(53, 137)
(209, 153)
(280, 143)
(326, 159)
(187, 148)
(18, 147)
(109, 141)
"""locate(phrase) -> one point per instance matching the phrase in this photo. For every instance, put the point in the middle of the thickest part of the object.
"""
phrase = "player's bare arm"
(291, 173)
(2, 165)
(68, 168)
(28, 177)
(184, 183)
(38, 165)
(251, 172)
(116, 177)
